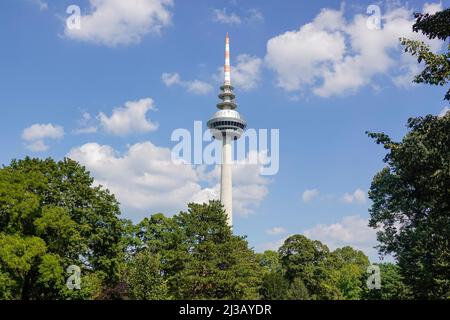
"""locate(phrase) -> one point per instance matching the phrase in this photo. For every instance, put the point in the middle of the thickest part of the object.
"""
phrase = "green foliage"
(297, 290)
(51, 217)
(269, 261)
(310, 261)
(433, 25)
(411, 202)
(219, 265)
(197, 257)
(274, 286)
(21, 258)
(392, 285)
(349, 271)
(437, 66)
(145, 278)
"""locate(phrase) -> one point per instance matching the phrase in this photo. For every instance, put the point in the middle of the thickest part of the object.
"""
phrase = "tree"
(392, 285)
(199, 257)
(274, 283)
(411, 205)
(163, 236)
(145, 278)
(297, 290)
(269, 261)
(309, 261)
(220, 265)
(274, 286)
(349, 271)
(437, 66)
(51, 217)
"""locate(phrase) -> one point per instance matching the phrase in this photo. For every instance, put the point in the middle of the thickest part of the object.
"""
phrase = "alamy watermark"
(255, 147)
(374, 280)
(74, 280)
(73, 22)
(373, 22)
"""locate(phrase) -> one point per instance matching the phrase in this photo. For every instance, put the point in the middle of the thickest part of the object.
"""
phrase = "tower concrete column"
(226, 180)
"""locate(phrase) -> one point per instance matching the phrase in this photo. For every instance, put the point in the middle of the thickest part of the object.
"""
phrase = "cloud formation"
(310, 194)
(131, 118)
(37, 134)
(146, 180)
(358, 196)
(118, 22)
(86, 124)
(252, 16)
(350, 231)
(40, 3)
(221, 16)
(245, 72)
(276, 231)
(192, 86)
(333, 56)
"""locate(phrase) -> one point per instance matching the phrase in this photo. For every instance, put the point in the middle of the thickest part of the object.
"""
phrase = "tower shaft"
(226, 179)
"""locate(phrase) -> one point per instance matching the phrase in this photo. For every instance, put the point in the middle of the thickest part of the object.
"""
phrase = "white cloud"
(333, 56)
(118, 22)
(271, 245)
(222, 16)
(198, 87)
(276, 231)
(42, 131)
(247, 197)
(37, 134)
(432, 8)
(130, 118)
(309, 195)
(193, 86)
(85, 125)
(245, 73)
(252, 16)
(255, 16)
(171, 79)
(40, 3)
(350, 231)
(444, 111)
(145, 180)
(37, 146)
(358, 196)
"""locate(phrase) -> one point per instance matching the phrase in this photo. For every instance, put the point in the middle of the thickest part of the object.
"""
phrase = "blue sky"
(111, 93)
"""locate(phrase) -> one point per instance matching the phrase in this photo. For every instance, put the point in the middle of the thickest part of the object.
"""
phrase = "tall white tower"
(227, 125)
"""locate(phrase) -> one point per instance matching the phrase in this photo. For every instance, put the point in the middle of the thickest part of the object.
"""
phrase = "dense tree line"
(52, 216)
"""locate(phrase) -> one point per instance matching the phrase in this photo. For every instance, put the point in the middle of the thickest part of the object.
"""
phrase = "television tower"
(227, 125)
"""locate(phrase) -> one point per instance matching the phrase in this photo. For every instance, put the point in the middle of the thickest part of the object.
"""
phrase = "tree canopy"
(197, 256)
(437, 66)
(411, 204)
(51, 217)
